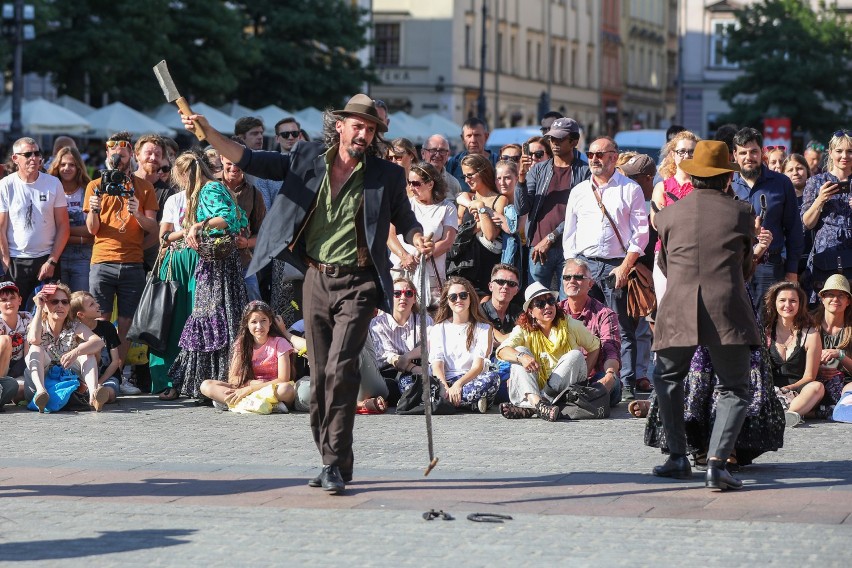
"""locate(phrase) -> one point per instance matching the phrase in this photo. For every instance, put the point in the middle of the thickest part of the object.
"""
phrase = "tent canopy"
(271, 114)
(39, 116)
(438, 124)
(118, 116)
(236, 110)
(406, 126)
(168, 115)
(75, 105)
(310, 119)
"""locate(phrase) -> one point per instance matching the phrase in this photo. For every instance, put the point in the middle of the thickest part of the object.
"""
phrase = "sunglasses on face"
(408, 293)
(773, 148)
(57, 301)
(28, 155)
(471, 175)
(165, 169)
(459, 296)
(599, 155)
(574, 277)
(509, 283)
(289, 134)
(439, 151)
(549, 301)
(683, 152)
(538, 154)
(119, 143)
(510, 158)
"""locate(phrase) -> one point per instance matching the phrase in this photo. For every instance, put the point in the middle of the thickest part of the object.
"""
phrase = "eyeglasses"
(509, 283)
(773, 148)
(683, 152)
(289, 134)
(415, 183)
(538, 154)
(510, 158)
(842, 132)
(439, 151)
(549, 301)
(58, 301)
(165, 169)
(119, 143)
(471, 175)
(599, 155)
(816, 147)
(408, 293)
(459, 296)
(28, 155)
(574, 277)
(396, 157)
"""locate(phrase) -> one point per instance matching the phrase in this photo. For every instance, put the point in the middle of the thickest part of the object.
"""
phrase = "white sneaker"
(282, 408)
(220, 405)
(482, 405)
(126, 387)
(792, 419)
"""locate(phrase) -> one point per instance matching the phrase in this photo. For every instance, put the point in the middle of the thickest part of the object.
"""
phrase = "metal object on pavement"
(161, 70)
(424, 364)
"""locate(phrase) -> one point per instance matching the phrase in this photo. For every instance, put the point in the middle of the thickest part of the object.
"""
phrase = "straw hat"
(836, 282)
(535, 290)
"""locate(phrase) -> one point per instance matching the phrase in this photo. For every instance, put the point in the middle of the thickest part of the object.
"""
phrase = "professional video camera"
(114, 181)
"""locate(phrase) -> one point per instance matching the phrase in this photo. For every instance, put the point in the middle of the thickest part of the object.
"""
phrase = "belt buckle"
(332, 270)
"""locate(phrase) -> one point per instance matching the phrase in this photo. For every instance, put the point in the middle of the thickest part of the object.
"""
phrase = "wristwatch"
(483, 210)
(51, 262)
(551, 237)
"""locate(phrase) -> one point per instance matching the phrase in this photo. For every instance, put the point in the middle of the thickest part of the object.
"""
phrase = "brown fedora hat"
(363, 106)
(711, 158)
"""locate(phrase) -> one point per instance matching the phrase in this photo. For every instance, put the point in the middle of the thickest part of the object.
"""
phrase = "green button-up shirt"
(331, 236)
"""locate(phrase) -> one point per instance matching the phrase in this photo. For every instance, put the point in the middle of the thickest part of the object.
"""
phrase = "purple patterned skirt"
(220, 296)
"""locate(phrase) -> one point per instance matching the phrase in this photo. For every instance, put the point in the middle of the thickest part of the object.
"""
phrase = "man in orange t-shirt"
(119, 224)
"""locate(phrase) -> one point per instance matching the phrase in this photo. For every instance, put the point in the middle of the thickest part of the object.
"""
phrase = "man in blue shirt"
(474, 136)
(781, 216)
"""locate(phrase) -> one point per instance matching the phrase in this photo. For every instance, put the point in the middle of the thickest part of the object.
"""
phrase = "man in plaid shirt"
(601, 321)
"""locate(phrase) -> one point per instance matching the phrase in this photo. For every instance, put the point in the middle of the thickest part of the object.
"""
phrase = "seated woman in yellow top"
(544, 347)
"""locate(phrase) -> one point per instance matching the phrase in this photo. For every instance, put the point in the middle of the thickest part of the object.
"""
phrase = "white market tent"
(406, 126)
(75, 105)
(118, 116)
(442, 125)
(39, 116)
(270, 114)
(310, 119)
(168, 115)
(236, 110)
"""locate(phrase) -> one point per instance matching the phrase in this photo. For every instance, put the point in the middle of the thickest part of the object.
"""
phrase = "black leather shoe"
(317, 481)
(676, 468)
(719, 478)
(331, 480)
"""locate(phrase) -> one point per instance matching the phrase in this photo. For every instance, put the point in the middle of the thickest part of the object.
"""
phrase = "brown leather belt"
(334, 270)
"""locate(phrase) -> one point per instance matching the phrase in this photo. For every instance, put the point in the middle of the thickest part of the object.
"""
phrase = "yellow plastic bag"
(261, 401)
(138, 354)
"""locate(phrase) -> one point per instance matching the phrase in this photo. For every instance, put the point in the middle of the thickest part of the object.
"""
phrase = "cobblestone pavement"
(154, 483)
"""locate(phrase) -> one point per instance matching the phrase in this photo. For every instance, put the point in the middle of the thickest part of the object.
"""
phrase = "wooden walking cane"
(424, 363)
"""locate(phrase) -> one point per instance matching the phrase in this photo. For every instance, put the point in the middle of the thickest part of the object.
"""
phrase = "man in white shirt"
(34, 223)
(609, 198)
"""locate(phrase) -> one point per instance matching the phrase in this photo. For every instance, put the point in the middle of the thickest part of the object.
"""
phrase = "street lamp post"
(480, 102)
(14, 16)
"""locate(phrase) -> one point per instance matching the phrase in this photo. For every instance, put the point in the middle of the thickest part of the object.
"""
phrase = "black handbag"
(463, 253)
(584, 402)
(411, 400)
(152, 320)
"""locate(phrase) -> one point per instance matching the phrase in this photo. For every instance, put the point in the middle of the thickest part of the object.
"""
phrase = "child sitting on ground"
(261, 357)
(86, 309)
(13, 343)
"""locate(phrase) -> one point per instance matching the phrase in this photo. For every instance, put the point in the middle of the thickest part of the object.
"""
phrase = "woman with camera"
(827, 210)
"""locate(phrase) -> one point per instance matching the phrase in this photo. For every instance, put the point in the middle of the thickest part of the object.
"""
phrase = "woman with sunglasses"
(459, 347)
(76, 258)
(827, 211)
(676, 185)
(402, 152)
(774, 156)
(479, 214)
(544, 350)
(61, 348)
(396, 337)
(438, 216)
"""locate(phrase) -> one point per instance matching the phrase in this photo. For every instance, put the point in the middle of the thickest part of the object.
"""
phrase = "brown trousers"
(338, 311)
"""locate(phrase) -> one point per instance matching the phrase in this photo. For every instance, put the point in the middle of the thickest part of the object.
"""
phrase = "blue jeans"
(644, 357)
(550, 273)
(616, 300)
(252, 286)
(765, 275)
(76, 261)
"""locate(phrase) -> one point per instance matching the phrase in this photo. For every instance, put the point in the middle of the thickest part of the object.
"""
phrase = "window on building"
(468, 47)
(387, 45)
(573, 66)
(538, 60)
(590, 77)
(562, 76)
(513, 53)
(719, 35)
(529, 59)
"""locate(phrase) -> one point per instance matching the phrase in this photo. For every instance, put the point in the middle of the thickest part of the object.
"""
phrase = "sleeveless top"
(786, 372)
(673, 191)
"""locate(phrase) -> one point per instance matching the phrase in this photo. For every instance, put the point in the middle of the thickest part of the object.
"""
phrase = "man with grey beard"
(436, 151)
(781, 217)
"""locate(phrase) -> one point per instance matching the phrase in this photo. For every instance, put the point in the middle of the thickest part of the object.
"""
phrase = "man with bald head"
(436, 151)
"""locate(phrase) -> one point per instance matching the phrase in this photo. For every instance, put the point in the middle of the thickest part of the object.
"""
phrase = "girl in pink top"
(261, 357)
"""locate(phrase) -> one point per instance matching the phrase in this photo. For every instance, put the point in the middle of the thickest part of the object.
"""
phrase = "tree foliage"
(260, 52)
(796, 63)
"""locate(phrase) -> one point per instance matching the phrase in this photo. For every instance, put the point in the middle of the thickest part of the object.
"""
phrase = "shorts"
(112, 383)
(125, 280)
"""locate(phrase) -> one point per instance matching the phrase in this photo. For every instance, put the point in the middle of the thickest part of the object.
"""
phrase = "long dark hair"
(446, 314)
(528, 323)
(801, 321)
(241, 370)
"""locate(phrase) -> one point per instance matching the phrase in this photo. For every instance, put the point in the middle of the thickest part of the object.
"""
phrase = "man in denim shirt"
(781, 216)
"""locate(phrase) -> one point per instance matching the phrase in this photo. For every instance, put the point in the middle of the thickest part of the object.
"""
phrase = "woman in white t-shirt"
(178, 264)
(459, 347)
(439, 217)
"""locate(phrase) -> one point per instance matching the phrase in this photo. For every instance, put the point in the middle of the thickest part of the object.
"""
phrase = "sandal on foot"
(547, 411)
(699, 461)
(375, 405)
(639, 408)
(170, 393)
(100, 398)
(41, 399)
(510, 411)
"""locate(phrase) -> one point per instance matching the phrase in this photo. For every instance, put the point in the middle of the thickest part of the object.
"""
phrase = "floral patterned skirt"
(220, 297)
(763, 429)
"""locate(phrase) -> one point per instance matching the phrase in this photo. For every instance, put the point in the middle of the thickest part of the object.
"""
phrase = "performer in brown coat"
(706, 255)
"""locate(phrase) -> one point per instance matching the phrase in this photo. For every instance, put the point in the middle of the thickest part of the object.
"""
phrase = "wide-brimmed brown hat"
(363, 106)
(711, 158)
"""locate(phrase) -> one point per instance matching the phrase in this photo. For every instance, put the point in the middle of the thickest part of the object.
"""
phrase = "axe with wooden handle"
(161, 70)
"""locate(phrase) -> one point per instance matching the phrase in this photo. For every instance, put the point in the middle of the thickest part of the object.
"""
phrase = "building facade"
(428, 56)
